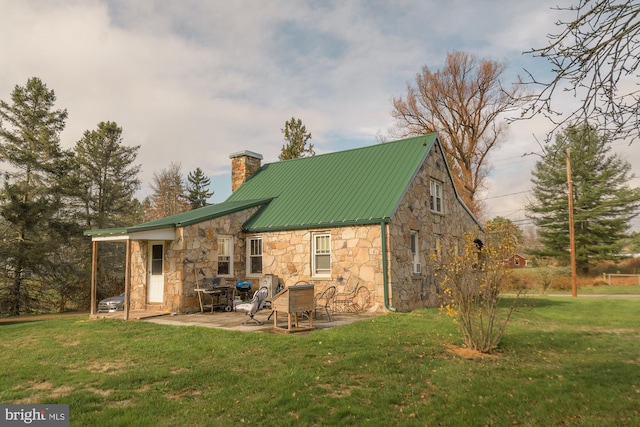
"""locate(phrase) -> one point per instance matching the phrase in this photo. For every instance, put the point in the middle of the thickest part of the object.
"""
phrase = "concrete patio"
(233, 321)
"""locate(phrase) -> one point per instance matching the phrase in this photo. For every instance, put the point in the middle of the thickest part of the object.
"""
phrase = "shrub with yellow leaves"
(471, 279)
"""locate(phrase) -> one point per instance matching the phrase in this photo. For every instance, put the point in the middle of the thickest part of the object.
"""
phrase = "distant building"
(516, 261)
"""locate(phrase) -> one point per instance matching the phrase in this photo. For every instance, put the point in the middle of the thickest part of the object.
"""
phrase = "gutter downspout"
(385, 266)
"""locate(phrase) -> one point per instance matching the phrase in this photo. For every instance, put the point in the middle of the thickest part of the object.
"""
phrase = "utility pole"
(572, 237)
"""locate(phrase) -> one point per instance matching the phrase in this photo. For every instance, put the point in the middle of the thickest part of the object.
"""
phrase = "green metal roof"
(183, 219)
(359, 186)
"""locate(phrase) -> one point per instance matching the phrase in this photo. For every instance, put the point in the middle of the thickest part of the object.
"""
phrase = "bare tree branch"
(463, 103)
(594, 58)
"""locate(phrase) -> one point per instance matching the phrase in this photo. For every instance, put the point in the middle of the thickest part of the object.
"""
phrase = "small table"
(216, 293)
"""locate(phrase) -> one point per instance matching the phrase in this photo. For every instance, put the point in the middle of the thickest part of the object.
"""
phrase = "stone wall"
(199, 253)
(355, 259)
(409, 290)
(139, 263)
(193, 251)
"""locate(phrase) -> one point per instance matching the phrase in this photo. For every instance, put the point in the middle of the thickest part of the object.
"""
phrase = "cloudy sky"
(193, 81)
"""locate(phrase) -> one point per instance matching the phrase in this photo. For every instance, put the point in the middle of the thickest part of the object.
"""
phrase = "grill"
(243, 287)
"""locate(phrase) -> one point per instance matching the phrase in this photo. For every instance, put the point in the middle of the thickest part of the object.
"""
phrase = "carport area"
(233, 321)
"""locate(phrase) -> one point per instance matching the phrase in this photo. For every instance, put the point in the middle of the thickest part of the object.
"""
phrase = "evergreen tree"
(296, 135)
(107, 177)
(603, 202)
(197, 187)
(104, 179)
(31, 199)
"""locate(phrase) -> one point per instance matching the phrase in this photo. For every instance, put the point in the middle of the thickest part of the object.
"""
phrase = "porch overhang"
(121, 235)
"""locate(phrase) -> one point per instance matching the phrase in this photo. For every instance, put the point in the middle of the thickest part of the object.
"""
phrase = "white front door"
(155, 285)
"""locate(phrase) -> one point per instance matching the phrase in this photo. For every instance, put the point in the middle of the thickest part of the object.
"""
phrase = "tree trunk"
(14, 308)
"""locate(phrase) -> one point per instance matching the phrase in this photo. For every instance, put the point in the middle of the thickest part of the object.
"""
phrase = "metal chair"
(355, 302)
(324, 301)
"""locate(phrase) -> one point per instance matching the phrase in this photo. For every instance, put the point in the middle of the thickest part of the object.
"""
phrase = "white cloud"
(195, 81)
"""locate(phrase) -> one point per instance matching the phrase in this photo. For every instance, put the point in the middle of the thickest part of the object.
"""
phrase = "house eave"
(166, 233)
(310, 226)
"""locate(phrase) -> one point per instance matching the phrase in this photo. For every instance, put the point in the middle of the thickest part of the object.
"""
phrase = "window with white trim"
(254, 256)
(225, 256)
(416, 268)
(435, 196)
(321, 255)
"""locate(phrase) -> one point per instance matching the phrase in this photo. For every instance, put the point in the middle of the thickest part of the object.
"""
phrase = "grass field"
(563, 361)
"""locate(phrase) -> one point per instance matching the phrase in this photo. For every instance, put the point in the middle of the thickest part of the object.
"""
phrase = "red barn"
(516, 261)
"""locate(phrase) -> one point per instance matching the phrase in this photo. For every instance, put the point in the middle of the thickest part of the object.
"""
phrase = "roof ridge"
(348, 150)
(355, 186)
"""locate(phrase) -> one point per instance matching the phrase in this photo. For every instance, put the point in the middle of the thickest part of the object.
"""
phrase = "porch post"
(127, 279)
(94, 275)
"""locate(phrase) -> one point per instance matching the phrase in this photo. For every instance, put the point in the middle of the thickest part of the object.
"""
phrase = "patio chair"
(255, 305)
(324, 301)
(355, 302)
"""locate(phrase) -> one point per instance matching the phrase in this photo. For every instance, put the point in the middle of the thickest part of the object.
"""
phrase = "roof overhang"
(164, 228)
(168, 233)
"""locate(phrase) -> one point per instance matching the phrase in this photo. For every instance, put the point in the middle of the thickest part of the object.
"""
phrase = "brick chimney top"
(243, 165)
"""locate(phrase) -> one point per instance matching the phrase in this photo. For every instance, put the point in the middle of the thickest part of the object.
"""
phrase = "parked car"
(111, 304)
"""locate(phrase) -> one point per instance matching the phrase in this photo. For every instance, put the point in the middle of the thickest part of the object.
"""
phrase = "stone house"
(363, 217)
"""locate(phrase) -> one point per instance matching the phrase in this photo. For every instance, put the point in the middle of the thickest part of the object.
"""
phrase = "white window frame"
(435, 196)
(320, 247)
(414, 243)
(225, 250)
(251, 241)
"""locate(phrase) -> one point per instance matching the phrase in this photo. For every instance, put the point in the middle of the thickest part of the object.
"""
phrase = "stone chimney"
(243, 165)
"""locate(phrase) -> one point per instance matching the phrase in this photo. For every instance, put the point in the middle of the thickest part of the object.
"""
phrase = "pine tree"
(603, 202)
(33, 191)
(197, 187)
(296, 135)
(107, 177)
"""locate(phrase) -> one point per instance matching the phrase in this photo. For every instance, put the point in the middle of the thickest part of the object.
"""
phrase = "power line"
(522, 158)
(505, 195)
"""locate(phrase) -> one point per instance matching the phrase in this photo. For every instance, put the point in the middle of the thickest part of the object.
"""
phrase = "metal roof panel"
(362, 185)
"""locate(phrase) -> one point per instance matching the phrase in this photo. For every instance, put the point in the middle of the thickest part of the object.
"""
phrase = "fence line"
(608, 276)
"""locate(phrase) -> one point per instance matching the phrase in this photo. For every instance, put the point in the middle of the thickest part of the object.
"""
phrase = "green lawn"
(563, 361)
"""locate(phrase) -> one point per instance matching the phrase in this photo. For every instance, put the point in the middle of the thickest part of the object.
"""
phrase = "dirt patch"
(180, 395)
(108, 368)
(44, 390)
(103, 393)
(468, 353)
